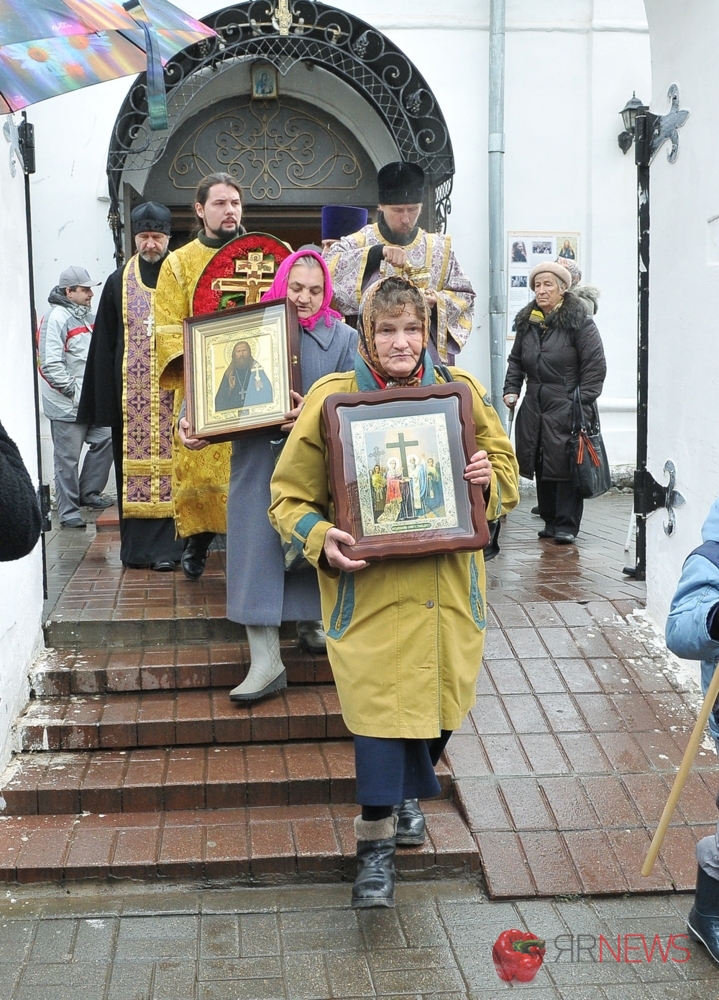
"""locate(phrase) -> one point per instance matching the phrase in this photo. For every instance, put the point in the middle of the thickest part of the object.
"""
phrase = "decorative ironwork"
(665, 126)
(267, 146)
(318, 35)
(11, 135)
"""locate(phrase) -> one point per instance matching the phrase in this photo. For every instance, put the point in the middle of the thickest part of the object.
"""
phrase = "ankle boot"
(267, 671)
(194, 555)
(410, 823)
(703, 919)
(312, 637)
(374, 885)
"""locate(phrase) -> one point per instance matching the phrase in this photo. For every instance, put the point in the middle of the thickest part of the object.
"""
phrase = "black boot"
(374, 885)
(410, 823)
(703, 919)
(194, 555)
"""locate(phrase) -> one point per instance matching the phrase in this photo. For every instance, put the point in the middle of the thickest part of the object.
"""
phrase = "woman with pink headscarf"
(260, 594)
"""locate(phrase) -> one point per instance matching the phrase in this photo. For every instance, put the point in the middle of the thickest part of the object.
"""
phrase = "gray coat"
(259, 591)
(554, 361)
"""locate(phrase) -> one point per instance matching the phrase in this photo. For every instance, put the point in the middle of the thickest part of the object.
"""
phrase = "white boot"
(312, 637)
(267, 671)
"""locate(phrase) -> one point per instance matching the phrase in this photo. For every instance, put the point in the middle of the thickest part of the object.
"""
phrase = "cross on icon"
(403, 446)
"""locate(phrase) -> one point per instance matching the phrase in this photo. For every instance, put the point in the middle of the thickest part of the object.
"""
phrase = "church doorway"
(301, 102)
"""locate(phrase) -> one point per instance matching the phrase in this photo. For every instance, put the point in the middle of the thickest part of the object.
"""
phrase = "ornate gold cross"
(283, 16)
(251, 280)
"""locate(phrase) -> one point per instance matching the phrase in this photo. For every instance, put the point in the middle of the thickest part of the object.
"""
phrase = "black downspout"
(26, 135)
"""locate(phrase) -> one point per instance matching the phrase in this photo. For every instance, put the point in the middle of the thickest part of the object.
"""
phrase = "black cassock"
(143, 541)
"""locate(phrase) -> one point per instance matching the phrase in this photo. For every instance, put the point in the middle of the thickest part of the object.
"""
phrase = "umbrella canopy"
(48, 47)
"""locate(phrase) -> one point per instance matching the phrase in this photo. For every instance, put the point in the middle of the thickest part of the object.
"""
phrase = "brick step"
(104, 670)
(177, 718)
(252, 845)
(108, 519)
(105, 781)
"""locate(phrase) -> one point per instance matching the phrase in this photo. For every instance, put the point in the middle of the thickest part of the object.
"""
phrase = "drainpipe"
(495, 171)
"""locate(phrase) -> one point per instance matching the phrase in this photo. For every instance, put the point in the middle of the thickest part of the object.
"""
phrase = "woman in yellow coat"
(404, 636)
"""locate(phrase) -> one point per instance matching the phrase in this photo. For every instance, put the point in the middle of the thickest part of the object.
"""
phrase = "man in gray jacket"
(63, 343)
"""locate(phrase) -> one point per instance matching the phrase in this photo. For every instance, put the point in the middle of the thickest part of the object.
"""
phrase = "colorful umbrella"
(48, 47)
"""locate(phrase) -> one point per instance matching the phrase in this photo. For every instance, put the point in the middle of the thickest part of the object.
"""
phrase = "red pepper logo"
(517, 955)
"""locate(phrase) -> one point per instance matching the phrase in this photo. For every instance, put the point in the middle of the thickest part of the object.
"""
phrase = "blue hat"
(341, 220)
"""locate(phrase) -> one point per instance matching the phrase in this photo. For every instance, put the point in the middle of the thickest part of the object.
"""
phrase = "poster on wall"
(524, 251)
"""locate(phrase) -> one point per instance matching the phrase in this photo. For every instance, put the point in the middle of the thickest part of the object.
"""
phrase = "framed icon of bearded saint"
(397, 461)
(240, 365)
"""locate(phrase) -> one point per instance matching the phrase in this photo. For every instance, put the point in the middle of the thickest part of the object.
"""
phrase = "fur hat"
(400, 184)
(558, 270)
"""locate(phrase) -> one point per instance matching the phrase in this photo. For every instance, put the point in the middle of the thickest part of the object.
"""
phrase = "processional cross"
(403, 446)
(256, 273)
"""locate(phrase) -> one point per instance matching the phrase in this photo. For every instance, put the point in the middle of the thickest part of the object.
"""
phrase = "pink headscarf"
(278, 289)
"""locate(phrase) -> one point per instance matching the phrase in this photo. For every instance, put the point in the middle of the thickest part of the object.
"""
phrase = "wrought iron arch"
(284, 32)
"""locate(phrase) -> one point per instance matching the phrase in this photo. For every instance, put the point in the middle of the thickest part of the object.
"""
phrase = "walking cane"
(511, 419)
(682, 774)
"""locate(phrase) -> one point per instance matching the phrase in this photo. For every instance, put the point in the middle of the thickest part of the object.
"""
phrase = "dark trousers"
(560, 505)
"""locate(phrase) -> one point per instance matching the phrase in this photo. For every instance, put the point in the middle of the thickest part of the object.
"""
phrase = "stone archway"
(374, 106)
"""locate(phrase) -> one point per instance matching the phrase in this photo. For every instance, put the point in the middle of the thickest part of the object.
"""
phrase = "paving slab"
(306, 942)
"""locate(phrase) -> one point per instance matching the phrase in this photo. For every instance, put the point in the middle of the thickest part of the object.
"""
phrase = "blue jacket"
(696, 600)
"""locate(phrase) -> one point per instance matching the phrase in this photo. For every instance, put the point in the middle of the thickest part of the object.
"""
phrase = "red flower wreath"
(206, 299)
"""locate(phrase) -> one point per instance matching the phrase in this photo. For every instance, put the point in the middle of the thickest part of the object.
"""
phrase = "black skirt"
(390, 770)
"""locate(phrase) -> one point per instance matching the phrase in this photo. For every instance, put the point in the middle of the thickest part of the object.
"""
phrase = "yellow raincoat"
(404, 636)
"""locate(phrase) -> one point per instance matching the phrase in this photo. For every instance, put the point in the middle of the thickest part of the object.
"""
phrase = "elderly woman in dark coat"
(557, 347)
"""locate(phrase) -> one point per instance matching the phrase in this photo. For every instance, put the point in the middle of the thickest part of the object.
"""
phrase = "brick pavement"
(304, 943)
(561, 769)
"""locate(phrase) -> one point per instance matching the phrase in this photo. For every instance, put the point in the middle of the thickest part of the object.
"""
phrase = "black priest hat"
(400, 184)
(151, 217)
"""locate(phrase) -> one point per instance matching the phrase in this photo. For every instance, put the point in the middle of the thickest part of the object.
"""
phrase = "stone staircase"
(135, 764)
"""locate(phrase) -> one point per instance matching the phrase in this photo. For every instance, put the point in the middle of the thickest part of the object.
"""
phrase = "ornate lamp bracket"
(665, 127)
(10, 132)
(649, 495)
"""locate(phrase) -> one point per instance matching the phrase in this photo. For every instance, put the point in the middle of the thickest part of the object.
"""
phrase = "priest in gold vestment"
(120, 390)
(200, 479)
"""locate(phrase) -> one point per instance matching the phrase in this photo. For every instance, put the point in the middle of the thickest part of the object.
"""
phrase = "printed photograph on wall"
(524, 251)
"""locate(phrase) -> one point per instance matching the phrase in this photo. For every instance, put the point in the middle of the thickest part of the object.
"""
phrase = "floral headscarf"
(278, 289)
(367, 317)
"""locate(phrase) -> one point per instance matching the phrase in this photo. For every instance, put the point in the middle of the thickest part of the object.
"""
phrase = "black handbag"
(590, 467)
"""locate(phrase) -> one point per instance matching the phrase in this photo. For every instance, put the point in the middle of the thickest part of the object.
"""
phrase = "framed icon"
(264, 82)
(397, 460)
(240, 365)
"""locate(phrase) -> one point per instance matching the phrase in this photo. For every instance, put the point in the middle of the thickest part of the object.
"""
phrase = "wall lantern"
(629, 118)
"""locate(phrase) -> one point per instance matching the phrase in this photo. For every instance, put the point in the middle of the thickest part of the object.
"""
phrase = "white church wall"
(684, 287)
(571, 65)
(20, 581)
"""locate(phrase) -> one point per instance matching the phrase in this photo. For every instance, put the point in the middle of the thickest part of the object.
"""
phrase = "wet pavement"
(561, 771)
(305, 943)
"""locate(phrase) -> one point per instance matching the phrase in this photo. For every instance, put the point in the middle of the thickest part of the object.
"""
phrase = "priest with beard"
(121, 390)
(244, 382)
(397, 245)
